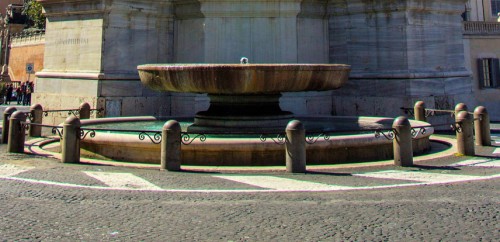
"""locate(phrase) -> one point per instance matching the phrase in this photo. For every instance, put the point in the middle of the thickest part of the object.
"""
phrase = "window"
(489, 72)
(495, 7)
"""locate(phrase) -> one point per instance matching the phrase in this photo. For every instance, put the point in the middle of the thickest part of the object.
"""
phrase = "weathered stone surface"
(93, 48)
(265, 31)
(243, 79)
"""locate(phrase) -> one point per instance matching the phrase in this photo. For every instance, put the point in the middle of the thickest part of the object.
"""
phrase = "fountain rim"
(259, 66)
(130, 142)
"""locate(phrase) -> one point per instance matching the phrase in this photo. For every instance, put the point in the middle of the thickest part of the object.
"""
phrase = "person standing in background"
(19, 95)
(29, 90)
(23, 92)
(9, 94)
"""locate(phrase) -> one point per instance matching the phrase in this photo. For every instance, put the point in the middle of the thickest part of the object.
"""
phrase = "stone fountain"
(243, 97)
(244, 122)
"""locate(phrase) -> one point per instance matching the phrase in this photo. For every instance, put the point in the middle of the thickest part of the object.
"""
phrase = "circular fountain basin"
(250, 149)
(243, 79)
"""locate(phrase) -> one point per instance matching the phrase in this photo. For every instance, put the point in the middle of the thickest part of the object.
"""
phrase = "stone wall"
(400, 51)
(23, 50)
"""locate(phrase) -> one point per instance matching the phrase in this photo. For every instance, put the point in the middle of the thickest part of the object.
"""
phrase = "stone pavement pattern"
(43, 200)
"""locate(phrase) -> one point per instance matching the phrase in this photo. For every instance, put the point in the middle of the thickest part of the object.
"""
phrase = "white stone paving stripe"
(7, 170)
(68, 185)
(479, 163)
(496, 152)
(425, 177)
(122, 180)
(283, 184)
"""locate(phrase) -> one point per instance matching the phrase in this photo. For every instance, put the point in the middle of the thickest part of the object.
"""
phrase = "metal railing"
(429, 112)
(277, 137)
(56, 130)
(75, 112)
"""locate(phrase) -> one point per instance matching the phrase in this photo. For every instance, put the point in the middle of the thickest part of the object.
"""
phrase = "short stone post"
(84, 111)
(171, 146)
(17, 132)
(71, 140)
(402, 143)
(482, 126)
(465, 133)
(419, 111)
(460, 107)
(36, 112)
(5, 125)
(295, 147)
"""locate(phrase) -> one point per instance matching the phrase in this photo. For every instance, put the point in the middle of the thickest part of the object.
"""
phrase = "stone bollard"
(465, 133)
(460, 107)
(171, 146)
(482, 126)
(84, 111)
(402, 143)
(5, 125)
(419, 111)
(70, 140)
(36, 111)
(295, 147)
(17, 132)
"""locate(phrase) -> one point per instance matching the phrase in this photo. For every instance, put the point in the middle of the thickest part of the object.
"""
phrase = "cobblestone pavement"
(452, 198)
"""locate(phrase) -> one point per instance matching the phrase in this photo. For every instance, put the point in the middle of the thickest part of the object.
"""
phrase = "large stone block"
(397, 36)
(264, 31)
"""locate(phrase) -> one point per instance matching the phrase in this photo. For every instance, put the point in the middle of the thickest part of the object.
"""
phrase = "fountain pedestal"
(237, 113)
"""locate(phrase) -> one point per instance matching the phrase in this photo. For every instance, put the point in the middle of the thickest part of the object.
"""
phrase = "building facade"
(11, 22)
(482, 52)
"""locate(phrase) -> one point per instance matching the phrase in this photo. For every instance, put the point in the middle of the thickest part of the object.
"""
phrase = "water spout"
(244, 60)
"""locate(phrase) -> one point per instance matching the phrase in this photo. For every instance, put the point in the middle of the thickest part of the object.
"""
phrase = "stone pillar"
(419, 111)
(36, 111)
(5, 125)
(402, 143)
(295, 145)
(482, 126)
(16, 132)
(460, 107)
(70, 141)
(84, 111)
(465, 134)
(171, 146)
(86, 55)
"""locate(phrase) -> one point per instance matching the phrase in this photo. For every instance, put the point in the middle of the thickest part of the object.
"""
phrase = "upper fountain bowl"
(243, 78)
